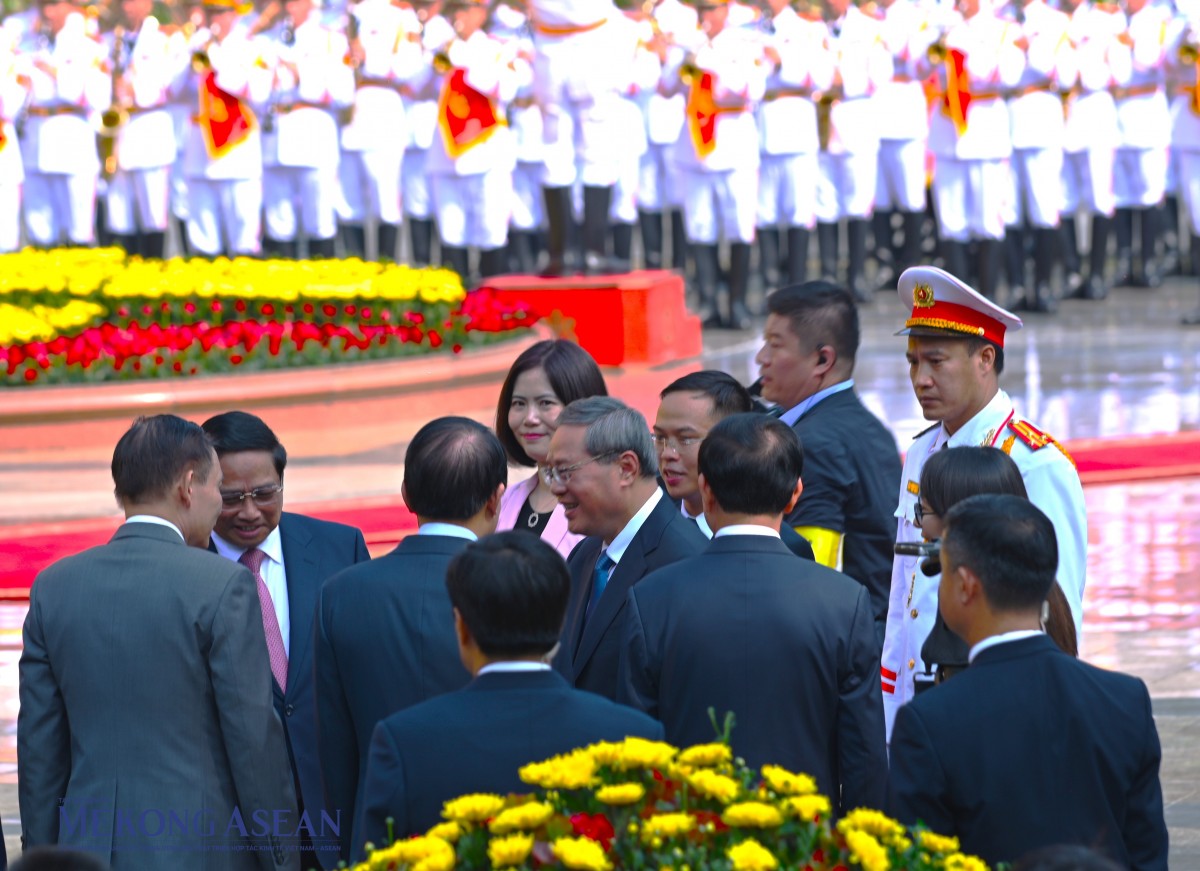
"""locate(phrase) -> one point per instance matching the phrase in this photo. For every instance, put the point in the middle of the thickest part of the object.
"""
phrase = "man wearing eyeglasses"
(290, 556)
(602, 468)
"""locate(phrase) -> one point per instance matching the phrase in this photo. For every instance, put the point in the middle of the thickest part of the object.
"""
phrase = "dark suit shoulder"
(316, 527)
(680, 537)
(390, 568)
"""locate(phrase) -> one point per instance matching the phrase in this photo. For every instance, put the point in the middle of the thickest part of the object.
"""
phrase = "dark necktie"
(253, 560)
(600, 576)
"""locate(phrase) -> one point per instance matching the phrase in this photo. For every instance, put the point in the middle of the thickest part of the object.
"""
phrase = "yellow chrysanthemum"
(449, 832)
(420, 854)
(522, 818)
(752, 814)
(874, 823)
(572, 771)
(621, 793)
(632, 753)
(785, 782)
(706, 756)
(582, 854)
(750, 855)
(934, 843)
(963, 862)
(473, 808)
(712, 785)
(867, 851)
(664, 826)
(510, 850)
(807, 807)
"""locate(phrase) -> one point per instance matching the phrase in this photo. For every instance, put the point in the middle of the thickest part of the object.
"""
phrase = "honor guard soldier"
(68, 83)
(1036, 113)
(975, 61)
(718, 154)
(1140, 176)
(14, 92)
(313, 82)
(145, 61)
(223, 148)
(385, 53)
(1184, 69)
(849, 160)
(471, 160)
(659, 189)
(1090, 143)
(955, 357)
(902, 115)
(800, 65)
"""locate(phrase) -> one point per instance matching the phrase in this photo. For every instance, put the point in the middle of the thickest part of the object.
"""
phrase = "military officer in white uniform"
(955, 357)
(147, 62)
(1183, 60)
(1140, 175)
(975, 61)
(69, 82)
(849, 160)
(223, 157)
(313, 81)
(800, 65)
(14, 91)
(385, 54)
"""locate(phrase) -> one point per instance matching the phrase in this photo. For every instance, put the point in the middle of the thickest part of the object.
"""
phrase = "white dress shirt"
(620, 543)
(1002, 638)
(158, 521)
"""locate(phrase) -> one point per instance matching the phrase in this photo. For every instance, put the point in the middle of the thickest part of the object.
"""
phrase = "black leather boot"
(154, 245)
(768, 257)
(739, 281)
(989, 256)
(954, 256)
(354, 240)
(1123, 227)
(651, 226)
(707, 268)
(1150, 274)
(1045, 254)
(420, 234)
(558, 222)
(596, 201)
(1014, 268)
(322, 249)
(1096, 286)
(914, 228)
(388, 235)
(797, 255)
(521, 247)
(491, 262)
(856, 245)
(886, 255)
(1072, 265)
(679, 242)
(622, 236)
(456, 260)
(277, 249)
(827, 250)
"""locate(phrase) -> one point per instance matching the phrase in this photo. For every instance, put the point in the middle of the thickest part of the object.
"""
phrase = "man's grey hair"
(612, 428)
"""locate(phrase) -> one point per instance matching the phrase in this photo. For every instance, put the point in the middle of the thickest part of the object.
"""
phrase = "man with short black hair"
(290, 556)
(145, 685)
(385, 632)
(852, 465)
(603, 470)
(1028, 747)
(509, 593)
(786, 645)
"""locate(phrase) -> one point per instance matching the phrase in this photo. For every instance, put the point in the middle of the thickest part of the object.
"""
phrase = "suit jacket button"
(914, 613)
(912, 663)
(289, 709)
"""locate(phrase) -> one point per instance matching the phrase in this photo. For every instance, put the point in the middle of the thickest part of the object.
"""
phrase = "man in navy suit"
(510, 593)
(385, 631)
(786, 645)
(602, 468)
(290, 556)
(1028, 746)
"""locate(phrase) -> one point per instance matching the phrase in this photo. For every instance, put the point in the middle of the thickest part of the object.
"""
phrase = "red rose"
(31, 374)
(594, 827)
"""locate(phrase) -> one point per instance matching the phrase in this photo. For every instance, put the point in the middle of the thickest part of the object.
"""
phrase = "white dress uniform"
(1184, 72)
(1047, 471)
(374, 140)
(971, 183)
(138, 193)
(524, 120)
(312, 82)
(658, 188)
(14, 84)
(1143, 115)
(644, 72)
(224, 210)
(68, 82)
(470, 165)
(902, 116)
(1092, 133)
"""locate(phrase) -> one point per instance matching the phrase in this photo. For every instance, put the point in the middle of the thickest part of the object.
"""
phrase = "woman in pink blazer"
(544, 379)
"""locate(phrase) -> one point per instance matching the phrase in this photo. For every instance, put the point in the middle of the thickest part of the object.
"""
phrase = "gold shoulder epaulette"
(1033, 437)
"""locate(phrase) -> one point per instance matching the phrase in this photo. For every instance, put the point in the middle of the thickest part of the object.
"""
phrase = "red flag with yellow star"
(957, 99)
(224, 119)
(466, 116)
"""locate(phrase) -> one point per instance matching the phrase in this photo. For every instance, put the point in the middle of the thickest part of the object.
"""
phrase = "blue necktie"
(600, 575)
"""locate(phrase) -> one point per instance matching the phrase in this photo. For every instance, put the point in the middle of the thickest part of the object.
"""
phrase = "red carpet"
(26, 549)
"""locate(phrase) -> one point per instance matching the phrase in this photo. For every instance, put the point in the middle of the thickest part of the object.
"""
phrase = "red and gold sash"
(957, 99)
(224, 119)
(466, 116)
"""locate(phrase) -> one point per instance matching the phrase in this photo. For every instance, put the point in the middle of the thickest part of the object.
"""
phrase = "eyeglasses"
(264, 497)
(562, 474)
(678, 445)
(920, 512)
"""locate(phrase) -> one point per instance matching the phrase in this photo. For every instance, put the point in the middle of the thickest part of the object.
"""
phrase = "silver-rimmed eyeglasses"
(264, 497)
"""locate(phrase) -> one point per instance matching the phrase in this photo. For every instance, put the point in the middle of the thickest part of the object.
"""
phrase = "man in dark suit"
(385, 632)
(603, 470)
(145, 686)
(510, 594)
(1028, 746)
(786, 645)
(851, 462)
(292, 555)
(690, 407)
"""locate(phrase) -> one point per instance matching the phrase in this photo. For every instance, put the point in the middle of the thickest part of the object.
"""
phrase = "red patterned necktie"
(253, 560)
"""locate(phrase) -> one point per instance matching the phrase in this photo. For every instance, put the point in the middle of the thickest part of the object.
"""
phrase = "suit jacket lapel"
(302, 568)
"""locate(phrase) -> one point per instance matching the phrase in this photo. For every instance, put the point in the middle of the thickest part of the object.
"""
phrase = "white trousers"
(60, 208)
(138, 200)
(528, 211)
(900, 182)
(10, 216)
(1088, 181)
(1037, 194)
(473, 210)
(414, 183)
(971, 198)
(658, 180)
(846, 185)
(623, 208)
(1189, 188)
(224, 215)
(1140, 177)
(370, 186)
(299, 196)
(720, 202)
(787, 190)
